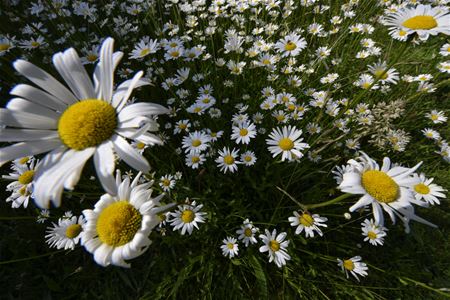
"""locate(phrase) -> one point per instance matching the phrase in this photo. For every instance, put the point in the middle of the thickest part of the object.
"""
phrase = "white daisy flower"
(88, 120)
(230, 247)
(248, 158)
(187, 217)
(424, 20)
(24, 170)
(387, 188)
(374, 234)
(243, 132)
(354, 266)
(276, 247)
(227, 160)
(66, 234)
(445, 50)
(196, 141)
(247, 233)
(167, 182)
(118, 227)
(428, 191)
(287, 142)
(144, 48)
(307, 222)
(436, 116)
(291, 45)
(195, 159)
(383, 74)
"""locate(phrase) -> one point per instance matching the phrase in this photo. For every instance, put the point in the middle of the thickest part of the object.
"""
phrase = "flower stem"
(335, 200)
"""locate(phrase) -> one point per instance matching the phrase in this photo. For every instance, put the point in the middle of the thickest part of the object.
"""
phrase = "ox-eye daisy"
(227, 160)
(276, 246)
(387, 188)
(187, 217)
(66, 234)
(89, 119)
(229, 247)
(291, 45)
(118, 227)
(247, 233)
(307, 222)
(286, 141)
(428, 191)
(23, 173)
(374, 234)
(354, 266)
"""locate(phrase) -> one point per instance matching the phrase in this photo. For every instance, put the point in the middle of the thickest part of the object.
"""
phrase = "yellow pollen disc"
(243, 132)
(422, 189)
(230, 246)
(402, 33)
(144, 52)
(140, 145)
(434, 117)
(87, 123)
(372, 235)
(290, 46)
(166, 182)
(274, 245)
(4, 47)
(26, 177)
(228, 159)
(195, 159)
(196, 143)
(35, 44)
(187, 216)
(162, 217)
(266, 62)
(286, 144)
(248, 232)
(23, 191)
(366, 85)
(380, 186)
(280, 118)
(248, 158)
(173, 45)
(182, 126)
(73, 231)
(206, 100)
(381, 74)
(306, 220)
(349, 265)
(92, 57)
(118, 223)
(197, 109)
(420, 22)
(24, 160)
(175, 54)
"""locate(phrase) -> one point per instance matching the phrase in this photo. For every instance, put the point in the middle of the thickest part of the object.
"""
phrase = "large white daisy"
(387, 188)
(87, 119)
(424, 20)
(286, 141)
(118, 227)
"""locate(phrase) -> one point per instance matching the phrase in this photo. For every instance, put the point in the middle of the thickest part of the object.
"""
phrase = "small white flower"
(187, 217)
(307, 222)
(374, 234)
(354, 266)
(247, 233)
(66, 234)
(276, 247)
(230, 247)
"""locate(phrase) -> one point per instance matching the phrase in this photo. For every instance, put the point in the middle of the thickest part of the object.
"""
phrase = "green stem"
(335, 200)
(29, 258)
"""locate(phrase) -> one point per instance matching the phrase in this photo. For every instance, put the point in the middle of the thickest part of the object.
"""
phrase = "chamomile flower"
(144, 48)
(230, 247)
(308, 223)
(187, 217)
(227, 160)
(431, 134)
(243, 132)
(387, 188)
(428, 191)
(287, 142)
(195, 159)
(374, 234)
(196, 141)
(276, 246)
(167, 183)
(139, 146)
(88, 120)
(66, 234)
(291, 45)
(118, 227)
(247, 233)
(353, 266)
(383, 74)
(424, 20)
(22, 186)
(436, 116)
(248, 158)
(445, 50)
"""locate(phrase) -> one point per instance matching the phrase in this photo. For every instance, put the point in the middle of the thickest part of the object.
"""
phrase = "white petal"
(19, 135)
(26, 120)
(27, 149)
(365, 200)
(38, 96)
(102, 255)
(104, 165)
(141, 109)
(106, 70)
(130, 155)
(22, 105)
(122, 90)
(123, 100)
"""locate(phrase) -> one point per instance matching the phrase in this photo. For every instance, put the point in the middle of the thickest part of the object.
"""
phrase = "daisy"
(196, 141)
(354, 266)
(247, 233)
(248, 158)
(387, 188)
(383, 74)
(139, 146)
(230, 247)
(182, 126)
(118, 227)
(167, 183)
(187, 217)
(428, 191)
(66, 234)
(194, 160)
(276, 246)
(307, 222)
(436, 116)
(290, 45)
(431, 134)
(424, 20)
(227, 160)
(144, 48)
(6, 44)
(23, 173)
(88, 120)
(243, 132)
(374, 234)
(444, 51)
(286, 141)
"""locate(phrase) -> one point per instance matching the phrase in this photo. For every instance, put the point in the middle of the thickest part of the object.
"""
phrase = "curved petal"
(38, 96)
(104, 162)
(22, 105)
(141, 109)
(20, 119)
(21, 135)
(130, 155)
(27, 149)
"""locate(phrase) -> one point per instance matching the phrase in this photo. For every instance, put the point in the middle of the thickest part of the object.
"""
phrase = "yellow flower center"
(248, 158)
(248, 232)
(175, 54)
(306, 220)
(4, 47)
(187, 216)
(286, 144)
(23, 191)
(26, 177)
(87, 124)
(380, 186)
(349, 265)
(144, 52)
(195, 159)
(434, 117)
(422, 189)
(274, 245)
(243, 132)
(35, 44)
(73, 231)
(420, 22)
(402, 33)
(372, 235)
(166, 182)
(381, 74)
(230, 246)
(366, 85)
(92, 57)
(24, 160)
(196, 143)
(290, 46)
(162, 217)
(118, 223)
(182, 126)
(228, 159)
(140, 145)
(206, 100)
(266, 62)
